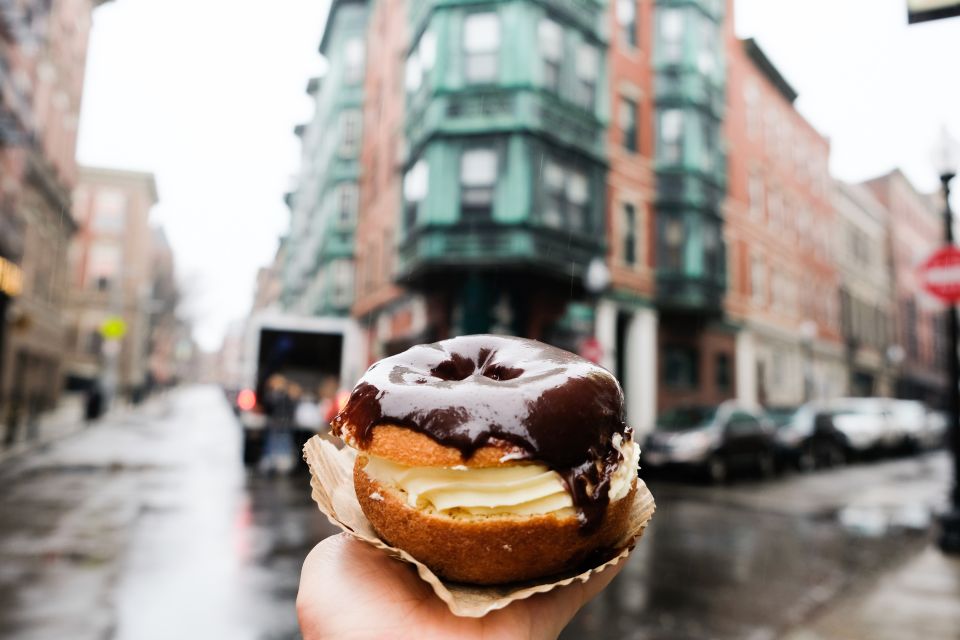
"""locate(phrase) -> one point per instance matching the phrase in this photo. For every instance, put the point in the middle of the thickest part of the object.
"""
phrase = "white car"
(866, 423)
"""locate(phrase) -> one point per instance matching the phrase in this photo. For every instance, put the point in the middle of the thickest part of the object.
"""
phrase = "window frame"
(472, 211)
(472, 55)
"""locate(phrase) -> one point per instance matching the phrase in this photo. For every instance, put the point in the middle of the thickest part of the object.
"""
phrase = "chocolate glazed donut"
(548, 404)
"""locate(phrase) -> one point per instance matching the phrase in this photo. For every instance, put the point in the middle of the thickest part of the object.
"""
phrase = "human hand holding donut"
(350, 590)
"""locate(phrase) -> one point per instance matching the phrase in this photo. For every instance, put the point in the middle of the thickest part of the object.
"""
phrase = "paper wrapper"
(331, 472)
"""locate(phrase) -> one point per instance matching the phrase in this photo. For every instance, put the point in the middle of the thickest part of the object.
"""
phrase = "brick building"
(43, 46)
(627, 175)
(915, 231)
(112, 275)
(780, 218)
(862, 246)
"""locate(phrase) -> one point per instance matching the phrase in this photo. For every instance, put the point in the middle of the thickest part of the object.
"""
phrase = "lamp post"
(950, 533)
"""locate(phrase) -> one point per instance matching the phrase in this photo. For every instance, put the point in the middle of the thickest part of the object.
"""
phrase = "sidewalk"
(920, 599)
(62, 422)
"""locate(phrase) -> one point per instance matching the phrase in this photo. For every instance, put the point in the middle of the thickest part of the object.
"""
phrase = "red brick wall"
(631, 177)
(380, 156)
(790, 231)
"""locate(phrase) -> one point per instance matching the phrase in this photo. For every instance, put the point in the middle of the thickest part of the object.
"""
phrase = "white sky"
(205, 93)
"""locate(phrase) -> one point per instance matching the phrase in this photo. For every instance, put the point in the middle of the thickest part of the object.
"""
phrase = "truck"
(307, 351)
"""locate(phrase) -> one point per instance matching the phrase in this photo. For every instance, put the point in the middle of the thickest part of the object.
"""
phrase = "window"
(756, 195)
(103, 264)
(350, 132)
(110, 211)
(627, 19)
(353, 54)
(550, 35)
(708, 47)
(478, 179)
(588, 66)
(680, 367)
(751, 95)
(481, 47)
(566, 197)
(415, 185)
(672, 233)
(341, 293)
(347, 196)
(758, 281)
(712, 253)
(421, 62)
(628, 123)
(629, 234)
(671, 135)
(721, 372)
(671, 34)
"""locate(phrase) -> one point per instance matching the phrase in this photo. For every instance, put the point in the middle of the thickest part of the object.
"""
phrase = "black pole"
(950, 535)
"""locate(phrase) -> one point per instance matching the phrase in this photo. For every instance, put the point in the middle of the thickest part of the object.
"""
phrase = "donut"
(492, 459)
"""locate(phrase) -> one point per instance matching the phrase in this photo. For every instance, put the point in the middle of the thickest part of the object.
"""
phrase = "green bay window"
(481, 47)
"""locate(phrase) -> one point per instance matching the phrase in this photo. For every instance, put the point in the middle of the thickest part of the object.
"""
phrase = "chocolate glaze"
(556, 407)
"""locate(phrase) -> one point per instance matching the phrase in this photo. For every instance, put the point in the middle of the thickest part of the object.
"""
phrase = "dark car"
(713, 441)
(807, 438)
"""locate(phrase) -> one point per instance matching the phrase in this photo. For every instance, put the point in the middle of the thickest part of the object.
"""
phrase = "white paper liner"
(331, 477)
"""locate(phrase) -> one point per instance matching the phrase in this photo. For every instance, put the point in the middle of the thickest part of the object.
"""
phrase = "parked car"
(714, 441)
(909, 419)
(936, 429)
(806, 437)
(866, 424)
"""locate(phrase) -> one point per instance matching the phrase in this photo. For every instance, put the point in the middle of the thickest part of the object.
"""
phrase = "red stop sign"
(940, 274)
(591, 350)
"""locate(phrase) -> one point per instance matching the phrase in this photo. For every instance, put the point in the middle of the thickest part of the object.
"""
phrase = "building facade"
(319, 267)
(112, 276)
(915, 231)
(626, 179)
(862, 246)
(780, 217)
(43, 46)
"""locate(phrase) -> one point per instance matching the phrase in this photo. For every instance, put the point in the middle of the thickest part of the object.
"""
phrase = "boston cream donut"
(492, 459)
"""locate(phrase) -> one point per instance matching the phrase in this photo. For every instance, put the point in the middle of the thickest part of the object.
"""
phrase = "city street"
(146, 526)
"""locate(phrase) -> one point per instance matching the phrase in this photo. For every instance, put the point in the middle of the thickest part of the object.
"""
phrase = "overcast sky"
(205, 93)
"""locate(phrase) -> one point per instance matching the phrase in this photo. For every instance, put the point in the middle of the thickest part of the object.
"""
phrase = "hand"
(350, 590)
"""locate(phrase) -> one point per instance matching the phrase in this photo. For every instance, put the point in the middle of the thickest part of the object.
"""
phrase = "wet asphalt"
(147, 526)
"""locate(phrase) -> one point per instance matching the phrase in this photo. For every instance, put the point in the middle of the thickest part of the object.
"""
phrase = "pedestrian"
(93, 403)
(280, 406)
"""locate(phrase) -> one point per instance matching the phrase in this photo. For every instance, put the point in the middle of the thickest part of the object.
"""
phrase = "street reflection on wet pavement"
(147, 526)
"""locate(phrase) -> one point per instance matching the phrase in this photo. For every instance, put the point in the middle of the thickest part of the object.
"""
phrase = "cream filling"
(522, 489)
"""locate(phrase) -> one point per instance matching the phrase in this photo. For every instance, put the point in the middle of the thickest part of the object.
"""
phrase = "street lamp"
(950, 535)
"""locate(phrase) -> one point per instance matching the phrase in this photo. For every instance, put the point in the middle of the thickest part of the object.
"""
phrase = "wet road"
(148, 527)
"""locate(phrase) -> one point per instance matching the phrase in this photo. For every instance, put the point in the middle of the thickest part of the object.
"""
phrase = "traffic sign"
(591, 350)
(940, 274)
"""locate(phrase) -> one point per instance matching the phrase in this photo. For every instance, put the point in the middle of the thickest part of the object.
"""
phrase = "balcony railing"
(687, 292)
(498, 246)
(676, 86)
(588, 13)
(473, 111)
